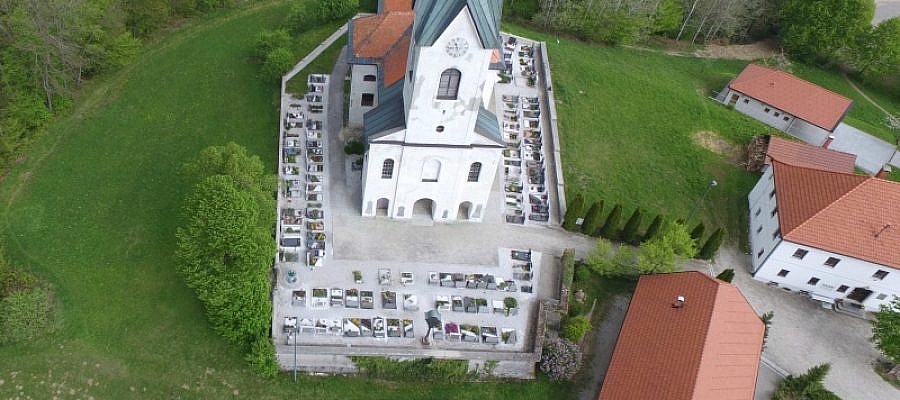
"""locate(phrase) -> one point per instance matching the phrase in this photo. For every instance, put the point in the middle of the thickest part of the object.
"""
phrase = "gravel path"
(603, 341)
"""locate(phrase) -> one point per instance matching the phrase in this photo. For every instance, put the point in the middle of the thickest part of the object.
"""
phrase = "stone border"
(554, 132)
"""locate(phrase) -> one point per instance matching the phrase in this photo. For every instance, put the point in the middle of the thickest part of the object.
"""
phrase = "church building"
(422, 79)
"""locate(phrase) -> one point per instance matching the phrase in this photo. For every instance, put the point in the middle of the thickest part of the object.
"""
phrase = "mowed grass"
(94, 209)
(628, 119)
(323, 64)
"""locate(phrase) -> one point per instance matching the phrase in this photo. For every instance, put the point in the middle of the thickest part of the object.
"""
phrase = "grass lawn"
(628, 119)
(94, 210)
(323, 64)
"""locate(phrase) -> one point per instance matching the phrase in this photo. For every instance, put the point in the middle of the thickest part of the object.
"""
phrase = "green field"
(323, 64)
(94, 208)
(629, 119)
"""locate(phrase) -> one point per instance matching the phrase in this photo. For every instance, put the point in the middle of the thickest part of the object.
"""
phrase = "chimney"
(883, 173)
(679, 302)
(828, 141)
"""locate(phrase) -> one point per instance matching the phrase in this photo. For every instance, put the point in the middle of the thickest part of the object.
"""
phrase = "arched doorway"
(381, 207)
(465, 209)
(423, 208)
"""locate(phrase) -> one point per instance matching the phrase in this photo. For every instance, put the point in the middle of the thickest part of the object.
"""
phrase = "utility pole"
(712, 184)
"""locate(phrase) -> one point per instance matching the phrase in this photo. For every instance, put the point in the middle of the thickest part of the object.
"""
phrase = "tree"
(573, 212)
(576, 327)
(568, 264)
(876, 52)
(246, 171)
(711, 247)
(560, 359)
(727, 275)
(305, 15)
(819, 30)
(697, 232)
(225, 255)
(610, 229)
(807, 386)
(598, 259)
(661, 255)
(653, 229)
(592, 218)
(630, 231)
(886, 330)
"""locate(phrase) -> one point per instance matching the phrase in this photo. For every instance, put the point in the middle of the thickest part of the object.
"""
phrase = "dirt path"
(863, 94)
(603, 341)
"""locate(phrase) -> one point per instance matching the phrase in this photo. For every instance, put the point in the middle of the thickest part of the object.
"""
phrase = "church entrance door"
(465, 209)
(381, 208)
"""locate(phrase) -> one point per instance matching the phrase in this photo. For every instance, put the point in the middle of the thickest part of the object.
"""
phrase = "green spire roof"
(434, 16)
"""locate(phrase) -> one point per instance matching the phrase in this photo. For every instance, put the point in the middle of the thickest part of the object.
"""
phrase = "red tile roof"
(708, 349)
(814, 104)
(805, 155)
(375, 35)
(397, 5)
(853, 215)
(395, 63)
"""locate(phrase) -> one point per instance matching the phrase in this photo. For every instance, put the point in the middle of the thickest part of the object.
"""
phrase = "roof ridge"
(791, 75)
(798, 143)
(708, 321)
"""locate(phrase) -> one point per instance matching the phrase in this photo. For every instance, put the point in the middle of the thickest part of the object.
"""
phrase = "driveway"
(871, 152)
(803, 334)
(886, 9)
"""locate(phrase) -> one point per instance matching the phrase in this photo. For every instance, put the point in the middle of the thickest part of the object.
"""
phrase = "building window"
(800, 253)
(761, 251)
(767, 110)
(758, 211)
(758, 230)
(772, 194)
(832, 262)
(368, 99)
(880, 274)
(783, 273)
(369, 78)
(746, 101)
(387, 169)
(812, 281)
(776, 234)
(777, 114)
(843, 288)
(881, 296)
(449, 85)
(786, 119)
(774, 211)
(474, 171)
(409, 75)
(439, 129)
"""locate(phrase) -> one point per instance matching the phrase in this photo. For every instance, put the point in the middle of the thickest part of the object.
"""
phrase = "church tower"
(434, 148)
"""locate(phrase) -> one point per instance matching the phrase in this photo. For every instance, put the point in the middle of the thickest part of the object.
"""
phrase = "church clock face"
(457, 47)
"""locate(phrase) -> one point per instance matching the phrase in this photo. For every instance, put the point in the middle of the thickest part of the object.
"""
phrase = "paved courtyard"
(803, 334)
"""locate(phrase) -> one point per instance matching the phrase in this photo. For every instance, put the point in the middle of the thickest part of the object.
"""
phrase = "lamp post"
(712, 184)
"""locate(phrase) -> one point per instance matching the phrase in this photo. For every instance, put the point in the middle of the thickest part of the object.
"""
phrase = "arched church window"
(387, 169)
(449, 84)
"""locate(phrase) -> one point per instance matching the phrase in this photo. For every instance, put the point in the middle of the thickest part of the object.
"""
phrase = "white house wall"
(851, 272)
(764, 227)
(358, 86)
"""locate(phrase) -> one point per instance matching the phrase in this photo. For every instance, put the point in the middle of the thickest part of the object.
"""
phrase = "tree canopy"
(816, 30)
(886, 330)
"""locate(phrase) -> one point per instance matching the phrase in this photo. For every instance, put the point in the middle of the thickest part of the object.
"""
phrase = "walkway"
(313, 55)
(886, 9)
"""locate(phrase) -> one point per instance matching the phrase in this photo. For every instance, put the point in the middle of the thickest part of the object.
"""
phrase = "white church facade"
(433, 147)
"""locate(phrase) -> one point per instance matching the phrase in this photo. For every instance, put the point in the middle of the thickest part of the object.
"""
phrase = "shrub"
(560, 359)
(568, 264)
(662, 254)
(592, 219)
(420, 369)
(886, 330)
(807, 386)
(610, 229)
(576, 308)
(630, 231)
(510, 303)
(697, 233)
(26, 314)
(269, 40)
(653, 229)
(582, 273)
(598, 259)
(727, 275)
(573, 212)
(276, 63)
(575, 328)
(354, 146)
(261, 357)
(711, 247)
(305, 15)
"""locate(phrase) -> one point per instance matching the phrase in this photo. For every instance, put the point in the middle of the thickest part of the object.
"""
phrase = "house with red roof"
(818, 228)
(686, 336)
(786, 102)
